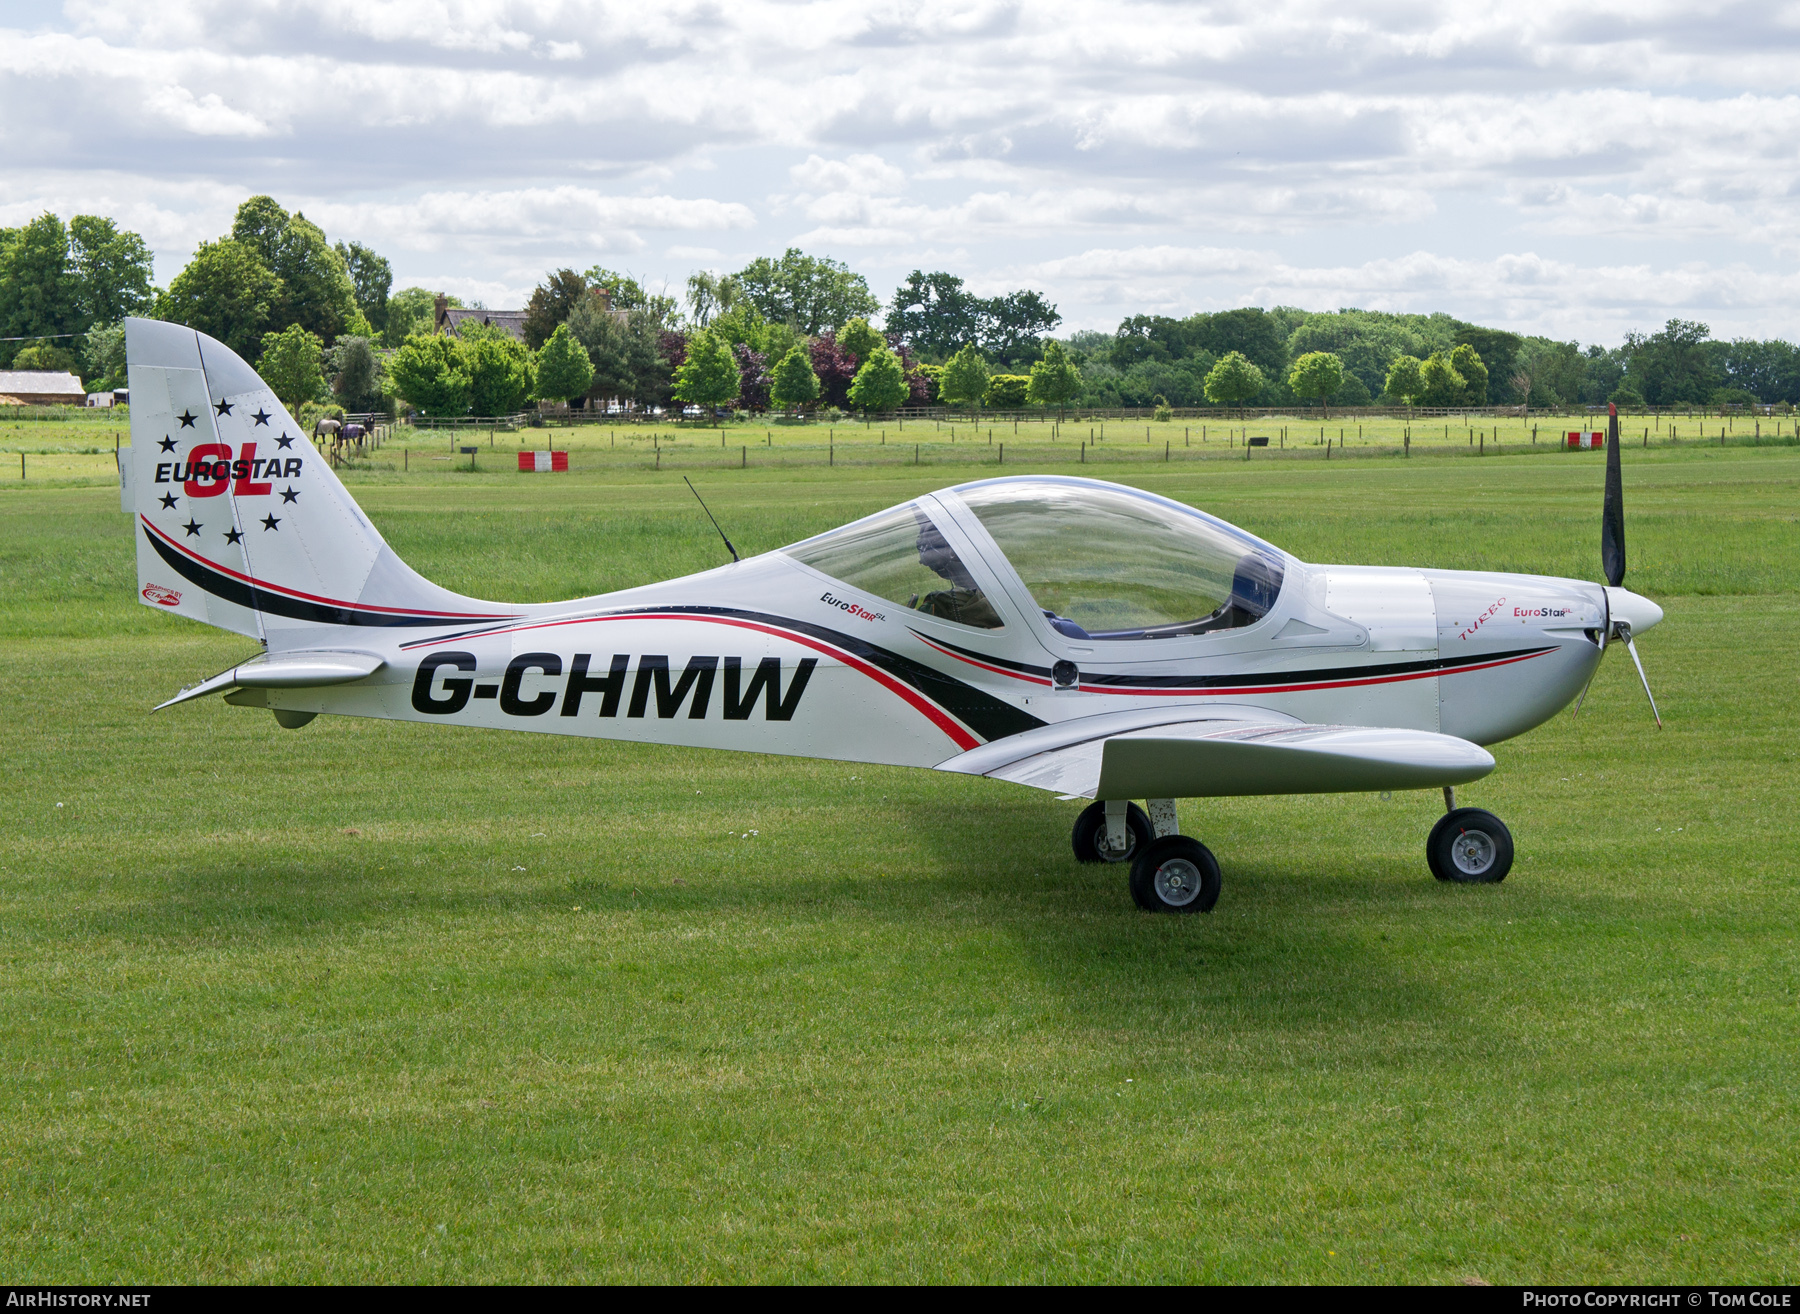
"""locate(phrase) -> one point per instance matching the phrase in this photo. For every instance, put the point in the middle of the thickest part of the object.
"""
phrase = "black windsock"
(1612, 510)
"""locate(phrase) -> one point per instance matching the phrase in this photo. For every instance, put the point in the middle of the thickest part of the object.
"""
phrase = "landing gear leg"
(1162, 817)
(1111, 831)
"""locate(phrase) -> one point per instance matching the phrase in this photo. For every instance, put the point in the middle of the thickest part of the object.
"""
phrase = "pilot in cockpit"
(963, 602)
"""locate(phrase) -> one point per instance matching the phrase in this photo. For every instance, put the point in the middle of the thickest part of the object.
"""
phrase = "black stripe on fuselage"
(1440, 665)
(987, 716)
(278, 604)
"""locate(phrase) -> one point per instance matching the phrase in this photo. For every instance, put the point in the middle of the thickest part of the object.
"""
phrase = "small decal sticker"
(1484, 618)
(855, 609)
(161, 596)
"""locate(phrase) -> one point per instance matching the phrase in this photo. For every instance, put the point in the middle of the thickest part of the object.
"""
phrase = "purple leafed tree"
(753, 378)
(919, 387)
(836, 369)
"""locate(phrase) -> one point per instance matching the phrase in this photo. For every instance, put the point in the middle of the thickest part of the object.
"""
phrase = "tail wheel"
(1089, 838)
(1175, 874)
(1471, 847)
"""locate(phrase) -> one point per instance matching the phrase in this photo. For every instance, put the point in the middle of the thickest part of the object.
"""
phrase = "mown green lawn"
(401, 1003)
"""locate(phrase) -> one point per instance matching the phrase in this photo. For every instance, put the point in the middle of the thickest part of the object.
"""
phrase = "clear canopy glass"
(901, 556)
(1110, 563)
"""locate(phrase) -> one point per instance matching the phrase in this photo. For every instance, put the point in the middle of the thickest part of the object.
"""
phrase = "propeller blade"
(1612, 510)
(1631, 648)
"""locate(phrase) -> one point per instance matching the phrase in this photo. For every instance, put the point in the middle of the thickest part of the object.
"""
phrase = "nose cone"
(1637, 612)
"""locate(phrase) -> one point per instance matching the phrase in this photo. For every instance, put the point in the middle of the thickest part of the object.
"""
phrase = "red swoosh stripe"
(954, 729)
(311, 597)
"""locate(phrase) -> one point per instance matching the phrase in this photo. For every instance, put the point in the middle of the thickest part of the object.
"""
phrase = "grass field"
(401, 1003)
(69, 451)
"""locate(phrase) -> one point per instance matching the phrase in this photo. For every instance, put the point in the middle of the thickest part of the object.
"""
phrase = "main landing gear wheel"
(1175, 874)
(1089, 838)
(1470, 846)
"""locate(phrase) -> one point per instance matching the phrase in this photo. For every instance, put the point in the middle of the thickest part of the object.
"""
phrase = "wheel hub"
(1473, 852)
(1178, 882)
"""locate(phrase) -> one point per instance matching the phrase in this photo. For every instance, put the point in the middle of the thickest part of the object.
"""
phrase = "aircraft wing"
(1215, 752)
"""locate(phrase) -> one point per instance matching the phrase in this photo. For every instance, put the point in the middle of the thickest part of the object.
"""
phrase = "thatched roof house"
(42, 388)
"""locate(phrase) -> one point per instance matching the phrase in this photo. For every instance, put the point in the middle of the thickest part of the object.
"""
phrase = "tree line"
(796, 332)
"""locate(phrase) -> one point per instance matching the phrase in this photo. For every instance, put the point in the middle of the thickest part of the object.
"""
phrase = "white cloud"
(1287, 149)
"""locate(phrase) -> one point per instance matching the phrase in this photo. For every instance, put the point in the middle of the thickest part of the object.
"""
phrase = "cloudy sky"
(1576, 170)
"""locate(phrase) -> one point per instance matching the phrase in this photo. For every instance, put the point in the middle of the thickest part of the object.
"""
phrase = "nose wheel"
(1469, 846)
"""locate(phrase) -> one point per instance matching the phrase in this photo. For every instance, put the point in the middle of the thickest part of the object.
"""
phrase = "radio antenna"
(709, 515)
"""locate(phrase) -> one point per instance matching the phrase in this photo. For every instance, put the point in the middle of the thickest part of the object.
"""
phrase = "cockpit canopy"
(1099, 560)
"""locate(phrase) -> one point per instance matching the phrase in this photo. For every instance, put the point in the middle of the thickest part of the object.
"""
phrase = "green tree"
(709, 376)
(500, 372)
(1365, 341)
(1006, 392)
(1467, 362)
(563, 368)
(429, 371)
(627, 294)
(225, 291)
(44, 356)
(259, 224)
(1404, 382)
(794, 384)
(812, 293)
(1317, 374)
(39, 292)
(880, 383)
(710, 294)
(1234, 380)
(1054, 380)
(624, 347)
(112, 270)
(935, 315)
(103, 358)
(1498, 352)
(1671, 366)
(550, 304)
(290, 365)
(356, 374)
(965, 378)
(857, 338)
(371, 276)
(411, 310)
(316, 288)
(1439, 382)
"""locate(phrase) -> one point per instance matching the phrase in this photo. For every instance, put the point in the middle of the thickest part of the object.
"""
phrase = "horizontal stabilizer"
(288, 670)
(1210, 758)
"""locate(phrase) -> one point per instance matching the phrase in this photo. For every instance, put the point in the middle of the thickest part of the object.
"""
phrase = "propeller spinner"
(1627, 613)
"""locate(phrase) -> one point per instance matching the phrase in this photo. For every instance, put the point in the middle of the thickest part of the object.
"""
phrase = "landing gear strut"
(1096, 841)
(1169, 871)
(1469, 845)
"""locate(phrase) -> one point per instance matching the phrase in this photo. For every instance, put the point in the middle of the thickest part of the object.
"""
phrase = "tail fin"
(240, 521)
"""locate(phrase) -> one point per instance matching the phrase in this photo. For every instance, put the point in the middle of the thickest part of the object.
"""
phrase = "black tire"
(1431, 846)
(1175, 874)
(1090, 831)
(1470, 846)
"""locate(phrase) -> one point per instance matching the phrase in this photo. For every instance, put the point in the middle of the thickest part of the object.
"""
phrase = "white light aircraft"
(1068, 634)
